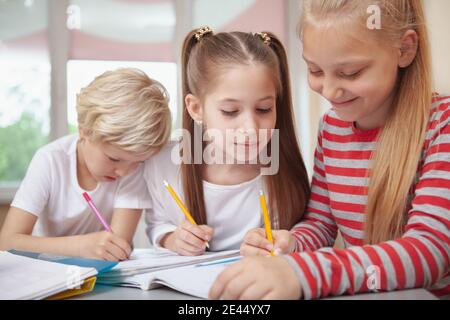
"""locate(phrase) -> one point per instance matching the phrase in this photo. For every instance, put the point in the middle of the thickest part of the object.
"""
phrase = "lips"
(343, 104)
(110, 178)
(247, 145)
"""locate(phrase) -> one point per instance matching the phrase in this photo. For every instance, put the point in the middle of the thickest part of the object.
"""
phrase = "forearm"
(125, 222)
(55, 245)
(313, 235)
(393, 265)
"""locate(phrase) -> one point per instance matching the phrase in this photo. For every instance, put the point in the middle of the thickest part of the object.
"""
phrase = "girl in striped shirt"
(382, 165)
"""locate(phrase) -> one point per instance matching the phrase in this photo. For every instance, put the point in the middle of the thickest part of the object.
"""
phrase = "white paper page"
(145, 260)
(27, 278)
(194, 280)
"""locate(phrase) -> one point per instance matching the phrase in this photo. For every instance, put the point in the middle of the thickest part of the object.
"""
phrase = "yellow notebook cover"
(87, 286)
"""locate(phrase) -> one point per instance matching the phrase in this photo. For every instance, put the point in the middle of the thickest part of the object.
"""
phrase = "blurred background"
(50, 49)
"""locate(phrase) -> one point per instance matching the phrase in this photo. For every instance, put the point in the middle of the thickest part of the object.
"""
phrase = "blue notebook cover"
(100, 265)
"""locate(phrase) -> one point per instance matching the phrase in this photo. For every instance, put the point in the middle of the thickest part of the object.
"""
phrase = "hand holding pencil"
(265, 241)
(103, 245)
(188, 239)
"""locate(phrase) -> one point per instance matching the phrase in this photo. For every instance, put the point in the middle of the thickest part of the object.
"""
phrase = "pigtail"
(289, 190)
(192, 181)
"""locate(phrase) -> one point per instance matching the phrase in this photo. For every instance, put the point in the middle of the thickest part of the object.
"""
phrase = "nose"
(331, 90)
(250, 123)
(124, 170)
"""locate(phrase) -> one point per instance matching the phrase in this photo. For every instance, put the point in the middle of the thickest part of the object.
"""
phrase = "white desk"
(102, 292)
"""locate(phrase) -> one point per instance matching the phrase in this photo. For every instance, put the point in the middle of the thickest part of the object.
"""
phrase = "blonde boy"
(123, 120)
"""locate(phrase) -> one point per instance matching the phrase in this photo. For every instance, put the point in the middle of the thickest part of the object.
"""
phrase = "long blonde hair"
(399, 147)
(203, 61)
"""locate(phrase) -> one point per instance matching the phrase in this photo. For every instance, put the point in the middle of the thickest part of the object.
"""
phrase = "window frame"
(59, 44)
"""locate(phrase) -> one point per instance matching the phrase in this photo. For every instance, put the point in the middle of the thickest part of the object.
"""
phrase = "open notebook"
(28, 278)
(195, 280)
(154, 259)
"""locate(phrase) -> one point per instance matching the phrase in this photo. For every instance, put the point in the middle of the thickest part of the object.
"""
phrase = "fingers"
(256, 244)
(257, 238)
(185, 249)
(113, 248)
(237, 286)
(202, 232)
(123, 245)
(282, 242)
(191, 239)
(248, 251)
(208, 231)
(109, 257)
(254, 292)
(219, 286)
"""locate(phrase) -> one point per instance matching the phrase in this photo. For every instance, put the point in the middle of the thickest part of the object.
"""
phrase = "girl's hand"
(257, 278)
(256, 244)
(103, 245)
(188, 239)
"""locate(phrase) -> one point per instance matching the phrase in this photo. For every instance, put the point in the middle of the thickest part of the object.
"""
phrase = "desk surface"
(102, 292)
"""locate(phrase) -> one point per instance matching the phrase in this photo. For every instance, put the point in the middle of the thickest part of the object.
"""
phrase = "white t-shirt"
(231, 210)
(51, 192)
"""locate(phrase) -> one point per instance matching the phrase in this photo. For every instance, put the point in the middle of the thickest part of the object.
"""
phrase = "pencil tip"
(261, 193)
(165, 183)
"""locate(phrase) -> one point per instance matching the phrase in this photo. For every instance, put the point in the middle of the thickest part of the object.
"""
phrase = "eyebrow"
(236, 100)
(342, 64)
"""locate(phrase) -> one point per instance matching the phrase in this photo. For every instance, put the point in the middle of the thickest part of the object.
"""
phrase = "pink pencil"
(97, 213)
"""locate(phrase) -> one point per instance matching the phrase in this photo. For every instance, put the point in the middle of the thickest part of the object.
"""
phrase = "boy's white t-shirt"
(231, 210)
(51, 192)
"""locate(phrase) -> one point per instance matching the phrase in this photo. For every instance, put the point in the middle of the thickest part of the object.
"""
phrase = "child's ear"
(194, 108)
(409, 45)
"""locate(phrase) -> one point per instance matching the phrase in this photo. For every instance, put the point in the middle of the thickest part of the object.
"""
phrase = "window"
(135, 34)
(64, 45)
(24, 88)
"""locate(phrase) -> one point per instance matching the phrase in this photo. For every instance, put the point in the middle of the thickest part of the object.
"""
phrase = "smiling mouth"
(343, 104)
(247, 145)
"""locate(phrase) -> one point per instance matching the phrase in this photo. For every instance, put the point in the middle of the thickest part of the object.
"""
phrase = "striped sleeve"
(317, 228)
(419, 259)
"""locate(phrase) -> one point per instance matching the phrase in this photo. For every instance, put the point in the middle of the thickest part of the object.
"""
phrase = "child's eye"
(229, 113)
(315, 72)
(351, 75)
(113, 160)
(264, 110)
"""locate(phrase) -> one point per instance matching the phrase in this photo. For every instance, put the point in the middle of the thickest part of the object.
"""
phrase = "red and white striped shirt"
(339, 195)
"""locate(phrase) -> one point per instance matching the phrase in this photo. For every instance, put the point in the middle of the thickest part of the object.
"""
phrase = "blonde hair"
(205, 55)
(399, 147)
(127, 109)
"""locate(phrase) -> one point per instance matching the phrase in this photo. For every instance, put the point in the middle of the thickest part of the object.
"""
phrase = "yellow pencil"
(266, 219)
(181, 205)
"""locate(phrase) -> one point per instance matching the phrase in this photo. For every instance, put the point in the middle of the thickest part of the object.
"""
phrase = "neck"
(229, 174)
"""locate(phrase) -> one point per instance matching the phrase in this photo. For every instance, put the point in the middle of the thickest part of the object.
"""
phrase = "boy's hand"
(257, 278)
(104, 245)
(256, 244)
(188, 239)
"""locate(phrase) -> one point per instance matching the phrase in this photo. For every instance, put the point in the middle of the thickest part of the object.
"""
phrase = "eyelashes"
(234, 113)
(350, 76)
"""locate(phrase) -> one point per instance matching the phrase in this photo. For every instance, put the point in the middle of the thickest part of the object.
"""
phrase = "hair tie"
(265, 37)
(201, 32)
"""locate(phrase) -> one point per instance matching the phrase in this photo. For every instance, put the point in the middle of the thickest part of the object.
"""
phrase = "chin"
(346, 116)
